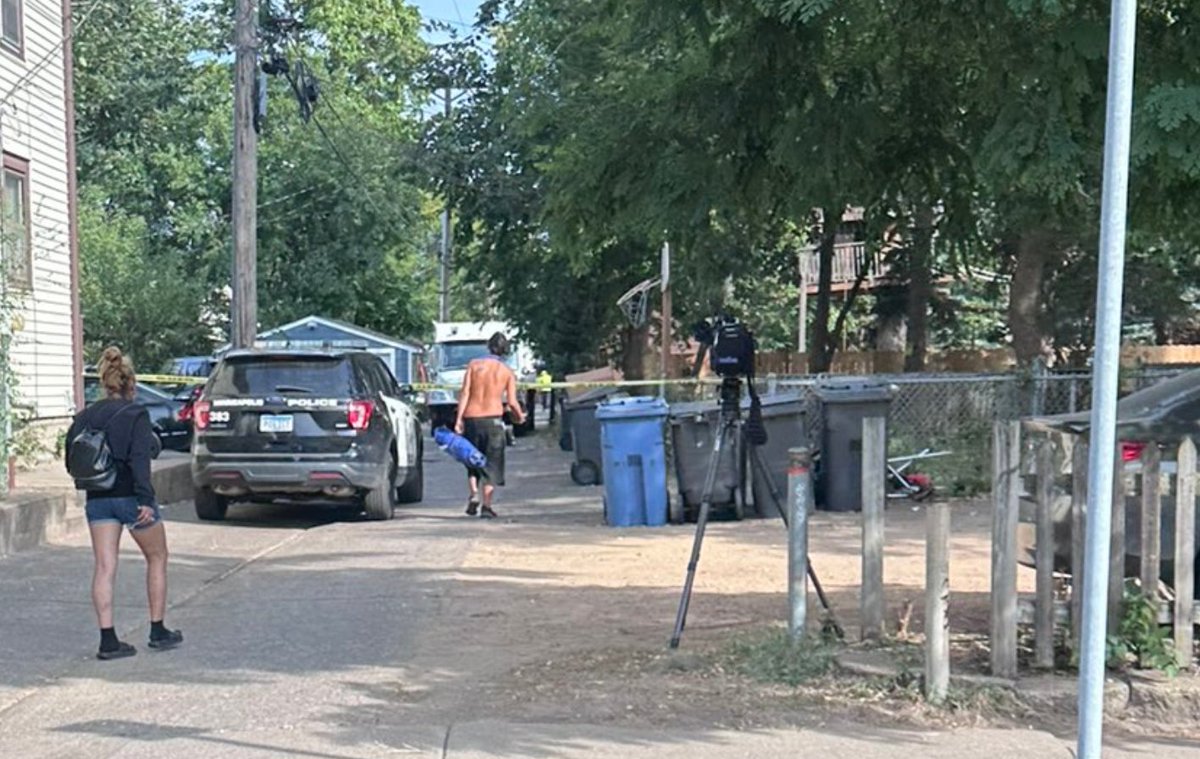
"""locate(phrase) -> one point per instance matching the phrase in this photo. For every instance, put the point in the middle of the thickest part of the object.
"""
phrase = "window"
(12, 26)
(15, 242)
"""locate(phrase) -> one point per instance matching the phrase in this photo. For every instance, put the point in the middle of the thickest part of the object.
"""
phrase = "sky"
(460, 13)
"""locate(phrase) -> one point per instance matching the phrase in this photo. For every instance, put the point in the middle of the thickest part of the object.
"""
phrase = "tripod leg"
(710, 481)
(777, 498)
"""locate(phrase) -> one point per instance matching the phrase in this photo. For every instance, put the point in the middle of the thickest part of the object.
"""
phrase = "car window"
(91, 391)
(148, 394)
(283, 375)
(370, 380)
(387, 382)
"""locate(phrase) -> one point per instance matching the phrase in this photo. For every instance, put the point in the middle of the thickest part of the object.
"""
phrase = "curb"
(33, 518)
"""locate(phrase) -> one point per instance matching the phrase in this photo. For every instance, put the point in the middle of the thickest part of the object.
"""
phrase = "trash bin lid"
(593, 397)
(776, 403)
(855, 391)
(632, 408)
(693, 409)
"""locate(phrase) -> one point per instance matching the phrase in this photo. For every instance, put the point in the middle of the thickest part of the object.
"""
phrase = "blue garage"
(401, 356)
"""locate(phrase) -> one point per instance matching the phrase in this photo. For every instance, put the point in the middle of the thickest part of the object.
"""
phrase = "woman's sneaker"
(163, 641)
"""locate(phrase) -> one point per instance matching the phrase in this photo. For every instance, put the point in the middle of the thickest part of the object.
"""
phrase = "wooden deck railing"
(848, 260)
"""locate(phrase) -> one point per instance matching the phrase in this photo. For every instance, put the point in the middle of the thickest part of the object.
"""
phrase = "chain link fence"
(955, 413)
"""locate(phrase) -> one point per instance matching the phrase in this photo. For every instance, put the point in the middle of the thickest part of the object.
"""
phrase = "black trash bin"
(844, 407)
(784, 418)
(693, 431)
(580, 423)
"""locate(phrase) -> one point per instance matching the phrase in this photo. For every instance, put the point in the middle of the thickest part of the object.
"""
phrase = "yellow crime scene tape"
(160, 379)
(579, 385)
(174, 379)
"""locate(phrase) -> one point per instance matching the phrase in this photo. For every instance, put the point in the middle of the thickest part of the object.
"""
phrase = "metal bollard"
(799, 502)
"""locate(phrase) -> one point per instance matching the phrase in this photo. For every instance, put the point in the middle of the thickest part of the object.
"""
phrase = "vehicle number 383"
(219, 417)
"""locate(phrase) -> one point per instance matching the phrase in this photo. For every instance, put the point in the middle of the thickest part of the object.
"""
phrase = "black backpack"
(90, 459)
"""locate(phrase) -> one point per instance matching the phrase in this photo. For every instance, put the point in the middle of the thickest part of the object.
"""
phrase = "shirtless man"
(488, 386)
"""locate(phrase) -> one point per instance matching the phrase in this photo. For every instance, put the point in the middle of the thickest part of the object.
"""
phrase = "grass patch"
(771, 657)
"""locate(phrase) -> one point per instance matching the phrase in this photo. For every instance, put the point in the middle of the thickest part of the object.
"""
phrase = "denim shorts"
(118, 511)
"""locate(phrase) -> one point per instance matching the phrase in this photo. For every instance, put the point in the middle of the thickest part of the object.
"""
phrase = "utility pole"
(444, 286)
(666, 314)
(244, 323)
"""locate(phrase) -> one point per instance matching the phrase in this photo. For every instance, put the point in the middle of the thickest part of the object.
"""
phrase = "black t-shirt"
(131, 440)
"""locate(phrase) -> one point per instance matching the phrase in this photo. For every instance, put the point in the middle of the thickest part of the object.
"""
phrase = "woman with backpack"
(109, 448)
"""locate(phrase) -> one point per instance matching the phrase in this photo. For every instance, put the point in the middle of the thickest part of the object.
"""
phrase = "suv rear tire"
(209, 506)
(413, 489)
(381, 502)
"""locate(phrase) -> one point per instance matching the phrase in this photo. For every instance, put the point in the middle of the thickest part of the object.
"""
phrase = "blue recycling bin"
(635, 461)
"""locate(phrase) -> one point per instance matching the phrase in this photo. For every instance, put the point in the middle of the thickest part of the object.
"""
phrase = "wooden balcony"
(848, 260)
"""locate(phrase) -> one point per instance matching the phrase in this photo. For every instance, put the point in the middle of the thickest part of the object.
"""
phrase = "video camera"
(731, 346)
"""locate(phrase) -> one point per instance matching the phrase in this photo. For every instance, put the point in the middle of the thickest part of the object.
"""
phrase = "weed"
(1140, 639)
(772, 658)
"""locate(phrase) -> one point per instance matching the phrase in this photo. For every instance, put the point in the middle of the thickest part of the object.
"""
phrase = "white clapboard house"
(38, 236)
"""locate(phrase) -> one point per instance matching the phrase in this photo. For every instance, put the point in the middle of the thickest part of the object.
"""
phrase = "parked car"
(174, 432)
(1162, 414)
(305, 424)
(191, 366)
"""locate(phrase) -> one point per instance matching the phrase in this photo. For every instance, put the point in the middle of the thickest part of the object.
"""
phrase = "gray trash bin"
(845, 405)
(580, 423)
(784, 418)
(693, 429)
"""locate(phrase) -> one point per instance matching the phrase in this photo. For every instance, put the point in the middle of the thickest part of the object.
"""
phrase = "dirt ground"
(583, 612)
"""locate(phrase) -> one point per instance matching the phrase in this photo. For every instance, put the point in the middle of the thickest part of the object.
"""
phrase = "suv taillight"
(359, 414)
(1131, 451)
(202, 414)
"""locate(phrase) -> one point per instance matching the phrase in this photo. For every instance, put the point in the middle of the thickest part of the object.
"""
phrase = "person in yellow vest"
(544, 381)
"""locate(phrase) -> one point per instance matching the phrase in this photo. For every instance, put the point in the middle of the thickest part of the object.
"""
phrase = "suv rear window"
(284, 375)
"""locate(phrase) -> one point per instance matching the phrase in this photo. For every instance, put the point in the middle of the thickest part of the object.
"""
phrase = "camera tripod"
(729, 427)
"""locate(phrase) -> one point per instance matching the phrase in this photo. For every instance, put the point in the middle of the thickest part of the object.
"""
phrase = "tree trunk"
(920, 290)
(634, 352)
(1034, 254)
(891, 333)
(820, 356)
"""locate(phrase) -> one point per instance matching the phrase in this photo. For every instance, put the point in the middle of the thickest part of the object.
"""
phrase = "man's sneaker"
(472, 508)
(486, 512)
(122, 651)
(171, 639)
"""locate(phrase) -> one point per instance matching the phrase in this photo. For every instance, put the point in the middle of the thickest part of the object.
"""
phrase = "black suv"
(300, 424)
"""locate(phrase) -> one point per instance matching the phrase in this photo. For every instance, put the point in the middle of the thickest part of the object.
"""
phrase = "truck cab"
(457, 344)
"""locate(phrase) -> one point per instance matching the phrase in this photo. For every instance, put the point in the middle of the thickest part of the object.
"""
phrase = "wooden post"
(1116, 556)
(1044, 609)
(937, 601)
(1151, 522)
(1185, 549)
(874, 465)
(1079, 480)
(1006, 448)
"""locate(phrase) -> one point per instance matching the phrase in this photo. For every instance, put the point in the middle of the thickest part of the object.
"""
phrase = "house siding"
(33, 127)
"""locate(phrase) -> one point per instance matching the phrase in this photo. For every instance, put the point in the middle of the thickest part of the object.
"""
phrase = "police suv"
(305, 424)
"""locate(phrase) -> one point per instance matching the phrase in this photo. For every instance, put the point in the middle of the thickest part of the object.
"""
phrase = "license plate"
(275, 423)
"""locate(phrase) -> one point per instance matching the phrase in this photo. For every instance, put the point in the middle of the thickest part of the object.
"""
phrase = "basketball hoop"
(635, 303)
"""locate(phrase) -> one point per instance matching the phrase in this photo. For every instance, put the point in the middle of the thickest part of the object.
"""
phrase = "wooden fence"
(1164, 503)
(1157, 511)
